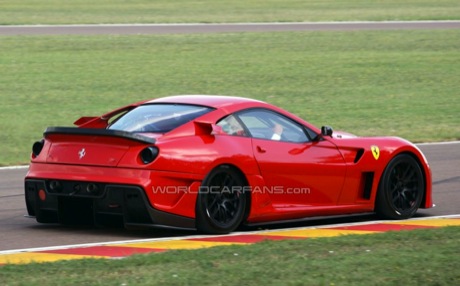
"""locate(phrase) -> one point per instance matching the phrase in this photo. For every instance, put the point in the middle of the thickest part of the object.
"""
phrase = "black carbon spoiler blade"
(98, 132)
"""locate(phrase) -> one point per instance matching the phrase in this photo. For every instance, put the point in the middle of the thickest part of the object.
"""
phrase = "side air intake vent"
(368, 181)
(359, 154)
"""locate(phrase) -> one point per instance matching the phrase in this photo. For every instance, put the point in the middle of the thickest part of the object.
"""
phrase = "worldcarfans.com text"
(233, 189)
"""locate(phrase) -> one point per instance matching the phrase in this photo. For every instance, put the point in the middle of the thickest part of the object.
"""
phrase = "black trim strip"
(98, 132)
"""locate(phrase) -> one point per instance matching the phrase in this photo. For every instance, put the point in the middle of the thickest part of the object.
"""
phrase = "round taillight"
(37, 147)
(148, 154)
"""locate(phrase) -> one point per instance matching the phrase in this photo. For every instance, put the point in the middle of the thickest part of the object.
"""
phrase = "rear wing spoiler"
(98, 132)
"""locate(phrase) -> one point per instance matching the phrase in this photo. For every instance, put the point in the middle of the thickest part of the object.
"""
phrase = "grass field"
(204, 11)
(402, 83)
(396, 258)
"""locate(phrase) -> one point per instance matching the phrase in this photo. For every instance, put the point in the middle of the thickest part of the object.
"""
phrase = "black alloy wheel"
(221, 203)
(401, 188)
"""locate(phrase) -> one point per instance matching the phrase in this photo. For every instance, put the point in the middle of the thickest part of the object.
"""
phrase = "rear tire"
(221, 204)
(401, 188)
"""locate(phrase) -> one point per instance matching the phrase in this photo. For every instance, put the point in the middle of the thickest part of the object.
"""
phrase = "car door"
(297, 171)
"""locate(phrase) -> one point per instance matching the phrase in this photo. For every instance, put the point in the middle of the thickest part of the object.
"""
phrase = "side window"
(270, 125)
(232, 126)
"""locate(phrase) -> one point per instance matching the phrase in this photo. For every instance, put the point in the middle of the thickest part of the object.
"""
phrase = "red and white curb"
(120, 249)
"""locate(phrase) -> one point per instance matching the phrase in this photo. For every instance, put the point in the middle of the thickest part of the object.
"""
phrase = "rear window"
(159, 118)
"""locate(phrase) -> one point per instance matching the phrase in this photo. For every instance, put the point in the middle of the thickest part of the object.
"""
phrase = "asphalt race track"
(19, 232)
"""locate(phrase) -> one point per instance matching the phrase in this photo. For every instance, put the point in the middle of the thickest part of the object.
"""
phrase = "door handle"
(261, 150)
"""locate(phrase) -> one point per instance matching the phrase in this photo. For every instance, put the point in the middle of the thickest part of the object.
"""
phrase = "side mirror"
(326, 131)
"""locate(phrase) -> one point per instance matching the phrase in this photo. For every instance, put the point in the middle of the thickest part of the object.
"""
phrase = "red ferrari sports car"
(213, 163)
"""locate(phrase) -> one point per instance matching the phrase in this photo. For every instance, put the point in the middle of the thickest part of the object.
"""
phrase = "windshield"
(158, 118)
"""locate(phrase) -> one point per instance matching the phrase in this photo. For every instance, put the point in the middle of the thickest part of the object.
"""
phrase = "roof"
(215, 101)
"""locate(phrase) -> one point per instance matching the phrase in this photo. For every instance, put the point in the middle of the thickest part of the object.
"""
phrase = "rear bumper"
(83, 202)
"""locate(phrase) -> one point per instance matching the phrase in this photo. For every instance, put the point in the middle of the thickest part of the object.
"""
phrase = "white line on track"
(14, 167)
(438, 143)
(235, 24)
(207, 236)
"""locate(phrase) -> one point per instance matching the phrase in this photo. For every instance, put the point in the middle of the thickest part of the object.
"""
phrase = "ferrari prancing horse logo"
(82, 153)
(375, 151)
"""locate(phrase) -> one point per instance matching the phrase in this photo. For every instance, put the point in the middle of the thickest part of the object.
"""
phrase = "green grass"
(395, 258)
(204, 11)
(402, 83)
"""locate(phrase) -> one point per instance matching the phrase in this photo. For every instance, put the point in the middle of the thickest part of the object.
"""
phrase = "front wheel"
(401, 188)
(221, 203)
